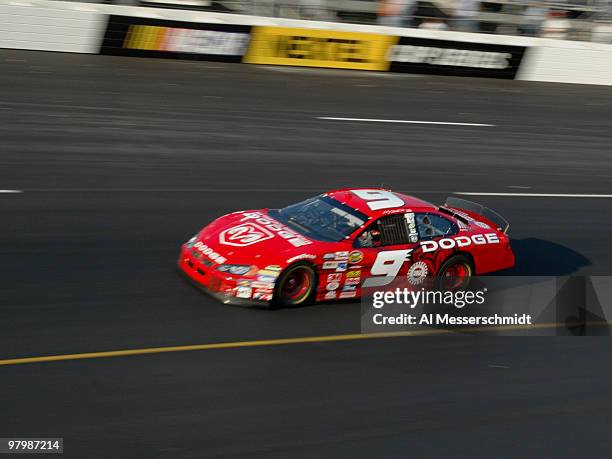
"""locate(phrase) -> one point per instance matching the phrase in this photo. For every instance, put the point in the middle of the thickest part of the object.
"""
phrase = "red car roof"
(350, 198)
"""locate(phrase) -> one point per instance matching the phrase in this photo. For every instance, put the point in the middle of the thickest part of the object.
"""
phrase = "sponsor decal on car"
(295, 239)
(339, 266)
(262, 296)
(267, 272)
(348, 294)
(244, 235)
(353, 274)
(353, 281)
(210, 253)
(462, 214)
(266, 279)
(302, 256)
(243, 283)
(334, 277)
(264, 285)
(467, 217)
(332, 286)
(417, 273)
(349, 288)
(273, 268)
(336, 256)
(244, 292)
(330, 295)
(413, 235)
(481, 224)
(356, 256)
(459, 241)
(393, 211)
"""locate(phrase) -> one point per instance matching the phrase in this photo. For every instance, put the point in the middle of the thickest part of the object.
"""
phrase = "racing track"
(122, 159)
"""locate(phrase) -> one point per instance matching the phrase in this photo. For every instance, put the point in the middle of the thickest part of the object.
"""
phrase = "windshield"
(321, 218)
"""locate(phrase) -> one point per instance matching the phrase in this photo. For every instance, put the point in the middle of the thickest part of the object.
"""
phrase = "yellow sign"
(145, 37)
(319, 48)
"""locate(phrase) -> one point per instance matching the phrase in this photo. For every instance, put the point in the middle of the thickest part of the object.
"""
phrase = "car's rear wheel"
(295, 285)
(455, 273)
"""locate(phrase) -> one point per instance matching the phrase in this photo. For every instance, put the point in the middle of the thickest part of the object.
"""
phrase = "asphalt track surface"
(121, 160)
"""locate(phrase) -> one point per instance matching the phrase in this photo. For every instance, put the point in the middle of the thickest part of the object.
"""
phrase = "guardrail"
(150, 32)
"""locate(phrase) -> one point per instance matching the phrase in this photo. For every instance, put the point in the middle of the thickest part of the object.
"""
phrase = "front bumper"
(212, 282)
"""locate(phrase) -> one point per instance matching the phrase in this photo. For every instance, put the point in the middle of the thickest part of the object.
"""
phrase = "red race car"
(335, 244)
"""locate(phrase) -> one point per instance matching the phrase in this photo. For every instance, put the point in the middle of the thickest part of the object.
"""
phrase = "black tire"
(303, 278)
(455, 273)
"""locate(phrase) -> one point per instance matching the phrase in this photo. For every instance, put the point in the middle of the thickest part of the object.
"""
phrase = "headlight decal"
(237, 270)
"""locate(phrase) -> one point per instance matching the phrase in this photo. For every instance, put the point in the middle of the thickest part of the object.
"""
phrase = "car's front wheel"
(295, 285)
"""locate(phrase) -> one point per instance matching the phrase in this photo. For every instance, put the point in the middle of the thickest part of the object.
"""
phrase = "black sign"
(455, 58)
(132, 36)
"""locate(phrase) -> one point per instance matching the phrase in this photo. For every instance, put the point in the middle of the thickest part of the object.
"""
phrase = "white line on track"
(11, 191)
(373, 120)
(535, 195)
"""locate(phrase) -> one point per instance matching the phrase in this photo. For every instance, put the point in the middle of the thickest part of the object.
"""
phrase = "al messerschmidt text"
(448, 319)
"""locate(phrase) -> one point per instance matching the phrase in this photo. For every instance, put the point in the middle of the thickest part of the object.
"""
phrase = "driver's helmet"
(370, 238)
(365, 239)
(428, 226)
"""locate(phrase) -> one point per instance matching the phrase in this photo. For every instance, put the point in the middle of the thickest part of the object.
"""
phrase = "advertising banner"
(132, 36)
(455, 58)
(319, 48)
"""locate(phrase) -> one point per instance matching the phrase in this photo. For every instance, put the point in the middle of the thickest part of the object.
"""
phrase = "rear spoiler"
(476, 208)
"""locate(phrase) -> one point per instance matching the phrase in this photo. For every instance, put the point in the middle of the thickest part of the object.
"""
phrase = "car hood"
(253, 237)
